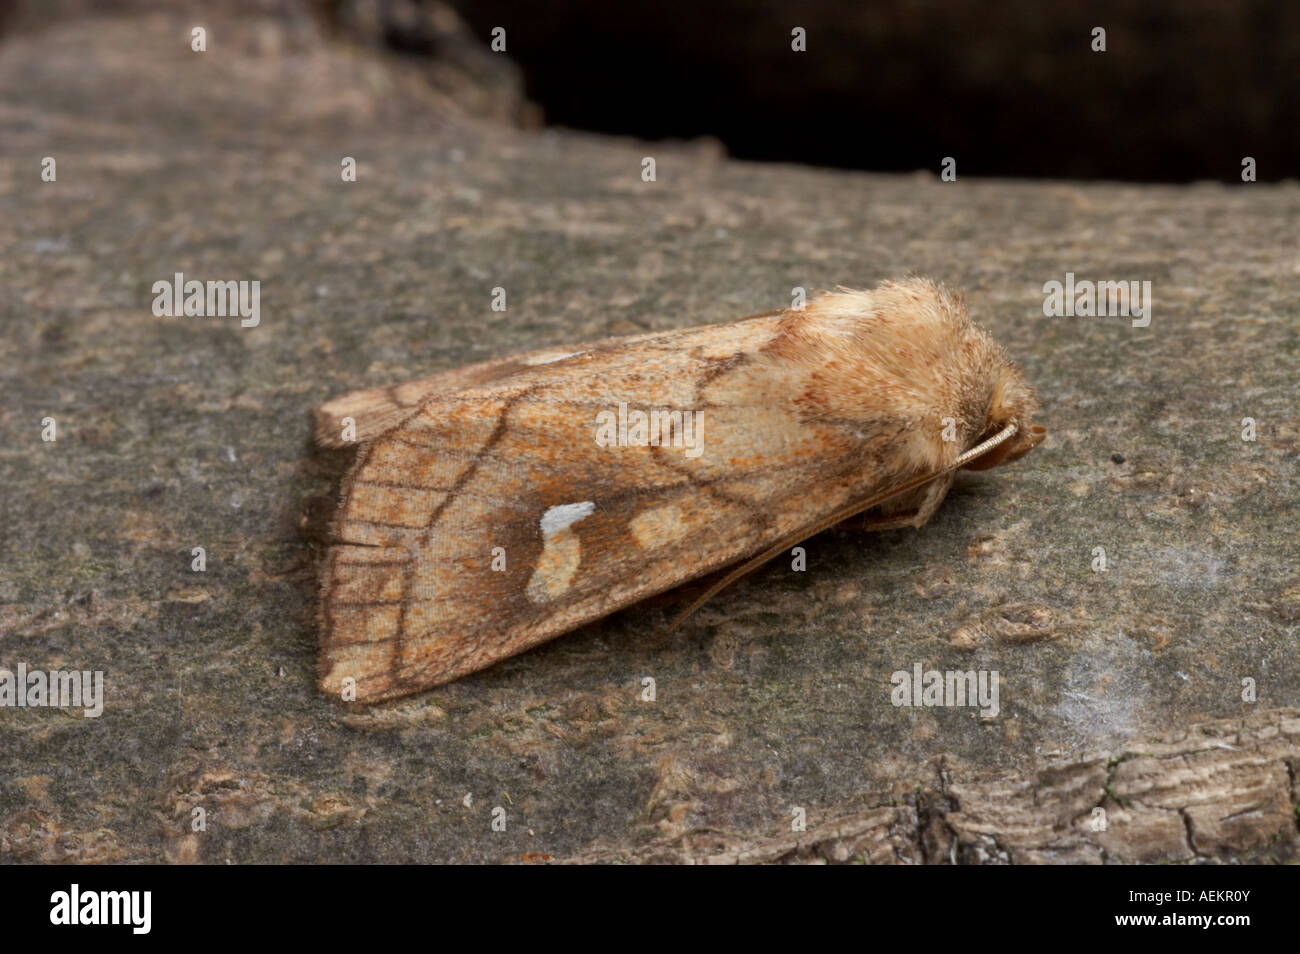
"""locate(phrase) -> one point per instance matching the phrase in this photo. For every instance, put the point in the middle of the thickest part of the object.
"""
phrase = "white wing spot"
(561, 551)
(565, 515)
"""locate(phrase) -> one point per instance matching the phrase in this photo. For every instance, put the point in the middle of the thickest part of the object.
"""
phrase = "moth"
(498, 506)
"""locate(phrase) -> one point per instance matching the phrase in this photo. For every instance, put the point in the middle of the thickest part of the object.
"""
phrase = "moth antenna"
(979, 450)
(844, 513)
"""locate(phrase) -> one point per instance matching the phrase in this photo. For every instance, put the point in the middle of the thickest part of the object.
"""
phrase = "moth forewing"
(528, 496)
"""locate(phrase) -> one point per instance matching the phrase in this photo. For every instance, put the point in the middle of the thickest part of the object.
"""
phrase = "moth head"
(1012, 402)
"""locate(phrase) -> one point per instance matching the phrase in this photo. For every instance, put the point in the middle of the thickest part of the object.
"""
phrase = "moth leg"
(690, 590)
(909, 510)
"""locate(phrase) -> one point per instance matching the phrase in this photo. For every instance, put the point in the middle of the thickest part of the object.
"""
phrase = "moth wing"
(492, 518)
(376, 410)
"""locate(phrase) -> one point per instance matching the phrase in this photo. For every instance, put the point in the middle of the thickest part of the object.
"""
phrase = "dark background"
(1185, 90)
(1013, 88)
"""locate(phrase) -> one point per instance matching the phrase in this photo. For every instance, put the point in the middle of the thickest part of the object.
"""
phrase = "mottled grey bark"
(183, 432)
